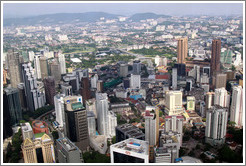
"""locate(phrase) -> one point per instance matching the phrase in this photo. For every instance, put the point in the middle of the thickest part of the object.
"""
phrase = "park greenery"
(164, 51)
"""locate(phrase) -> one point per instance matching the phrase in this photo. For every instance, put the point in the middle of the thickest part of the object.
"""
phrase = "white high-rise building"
(59, 109)
(152, 126)
(123, 70)
(112, 123)
(236, 112)
(91, 123)
(61, 59)
(94, 81)
(102, 113)
(174, 78)
(209, 100)
(37, 66)
(221, 97)
(174, 104)
(135, 82)
(158, 60)
(31, 55)
(216, 122)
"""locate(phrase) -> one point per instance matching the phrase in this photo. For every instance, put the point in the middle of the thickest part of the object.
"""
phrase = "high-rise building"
(152, 126)
(174, 104)
(59, 109)
(182, 50)
(76, 121)
(216, 122)
(91, 123)
(37, 66)
(38, 150)
(136, 67)
(94, 80)
(191, 103)
(31, 55)
(100, 86)
(236, 113)
(66, 89)
(85, 89)
(127, 130)
(163, 155)
(50, 91)
(175, 124)
(23, 101)
(12, 106)
(26, 131)
(55, 72)
(102, 113)
(34, 96)
(174, 78)
(181, 68)
(221, 79)
(112, 123)
(209, 100)
(123, 70)
(13, 62)
(221, 97)
(135, 81)
(126, 83)
(44, 67)
(215, 57)
(62, 63)
(68, 152)
(4, 77)
(206, 70)
(130, 151)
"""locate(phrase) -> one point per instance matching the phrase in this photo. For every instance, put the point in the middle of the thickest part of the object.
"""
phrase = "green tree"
(160, 113)
(114, 140)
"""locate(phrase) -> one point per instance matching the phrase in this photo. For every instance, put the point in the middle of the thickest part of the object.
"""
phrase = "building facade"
(236, 109)
(182, 50)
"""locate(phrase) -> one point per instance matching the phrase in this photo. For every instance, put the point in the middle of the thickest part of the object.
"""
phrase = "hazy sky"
(31, 9)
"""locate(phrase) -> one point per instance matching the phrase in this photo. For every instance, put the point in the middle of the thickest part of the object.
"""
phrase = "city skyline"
(19, 10)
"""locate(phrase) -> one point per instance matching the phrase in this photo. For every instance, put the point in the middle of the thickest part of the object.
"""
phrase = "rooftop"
(67, 144)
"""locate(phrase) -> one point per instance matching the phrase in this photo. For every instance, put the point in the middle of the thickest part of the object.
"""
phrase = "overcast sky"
(31, 9)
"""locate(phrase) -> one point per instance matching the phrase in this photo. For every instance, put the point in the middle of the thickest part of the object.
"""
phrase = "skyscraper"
(13, 62)
(135, 81)
(76, 122)
(91, 123)
(34, 97)
(11, 104)
(152, 126)
(55, 72)
(215, 57)
(221, 79)
(123, 70)
(59, 109)
(50, 91)
(191, 103)
(44, 67)
(216, 122)
(221, 97)
(94, 80)
(209, 100)
(236, 113)
(85, 89)
(102, 113)
(37, 66)
(62, 62)
(112, 123)
(182, 50)
(174, 78)
(136, 67)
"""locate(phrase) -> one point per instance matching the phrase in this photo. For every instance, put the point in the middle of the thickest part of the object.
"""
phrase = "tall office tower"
(100, 85)
(236, 113)
(206, 70)
(135, 82)
(37, 66)
(130, 151)
(123, 70)
(31, 55)
(7, 126)
(94, 80)
(68, 152)
(85, 89)
(38, 150)
(22, 96)
(102, 113)
(76, 122)
(59, 110)
(4, 77)
(174, 104)
(126, 83)
(34, 97)
(13, 62)
(11, 104)
(182, 50)
(50, 90)
(62, 63)
(55, 72)
(127, 130)
(112, 123)
(216, 122)
(191, 103)
(197, 74)
(209, 100)
(188, 86)
(44, 67)
(174, 78)
(152, 126)
(91, 123)
(221, 97)
(66, 89)
(174, 123)
(215, 57)
(136, 67)
(220, 80)
(181, 69)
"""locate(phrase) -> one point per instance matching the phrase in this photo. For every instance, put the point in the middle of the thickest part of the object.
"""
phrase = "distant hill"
(144, 16)
(59, 18)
